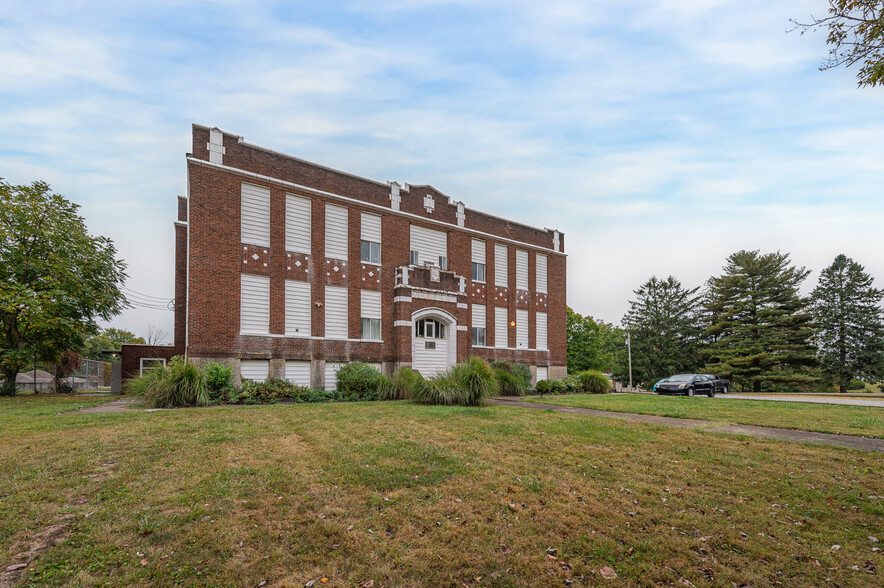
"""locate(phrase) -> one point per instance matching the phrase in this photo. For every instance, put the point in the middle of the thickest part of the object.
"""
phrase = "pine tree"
(760, 327)
(851, 329)
(664, 327)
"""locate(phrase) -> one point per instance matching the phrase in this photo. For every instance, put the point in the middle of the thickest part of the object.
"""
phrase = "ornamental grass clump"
(181, 383)
(514, 379)
(401, 386)
(594, 382)
(467, 383)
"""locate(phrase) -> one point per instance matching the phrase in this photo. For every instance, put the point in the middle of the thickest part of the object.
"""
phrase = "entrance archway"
(433, 341)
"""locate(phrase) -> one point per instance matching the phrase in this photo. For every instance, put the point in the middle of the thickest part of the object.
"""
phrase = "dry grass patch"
(409, 495)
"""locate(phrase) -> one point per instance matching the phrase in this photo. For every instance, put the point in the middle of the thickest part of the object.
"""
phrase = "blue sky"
(660, 136)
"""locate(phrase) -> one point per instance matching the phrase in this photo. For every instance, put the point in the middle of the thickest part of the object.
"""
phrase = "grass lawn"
(823, 418)
(406, 495)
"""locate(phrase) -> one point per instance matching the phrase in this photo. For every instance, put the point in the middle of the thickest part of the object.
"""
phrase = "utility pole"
(629, 353)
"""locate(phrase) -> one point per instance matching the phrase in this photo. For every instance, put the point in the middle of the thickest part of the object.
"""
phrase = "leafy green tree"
(110, 338)
(55, 278)
(761, 329)
(664, 325)
(851, 330)
(593, 345)
(856, 35)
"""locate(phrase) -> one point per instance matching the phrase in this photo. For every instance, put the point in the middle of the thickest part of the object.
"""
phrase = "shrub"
(465, 384)
(401, 386)
(180, 383)
(359, 381)
(514, 378)
(218, 381)
(594, 382)
(566, 385)
(272, 391)
(855, 384)
(543, 387)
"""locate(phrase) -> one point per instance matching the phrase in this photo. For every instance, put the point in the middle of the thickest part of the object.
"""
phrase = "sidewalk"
(847, 441)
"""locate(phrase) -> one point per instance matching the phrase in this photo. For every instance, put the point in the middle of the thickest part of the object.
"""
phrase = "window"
(335, 312)
(256, 370)
(540, 267)
(478, 325)
(297, 308)
(500, 263)
(371, 329)
(521, 329)
(370, 252)
(521, 270)
(254, 309)
(429, 329)
(298, 221)
(540, 332)
(371, 315)
(298, 372)
(147, 363)
(443, 262)
(501, 328)
(415, 258)
(335, 231)
(255, 215)
(370, 247)
(430, 246)
(478, 258)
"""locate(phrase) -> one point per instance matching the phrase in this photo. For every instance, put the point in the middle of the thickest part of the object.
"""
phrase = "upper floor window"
(255, 215)
(500, 266)
(478, 257)
(370, 245)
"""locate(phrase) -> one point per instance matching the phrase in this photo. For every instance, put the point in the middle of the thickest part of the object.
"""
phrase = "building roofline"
(451, 201)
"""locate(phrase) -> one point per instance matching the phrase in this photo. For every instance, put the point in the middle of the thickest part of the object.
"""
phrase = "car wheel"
(724, 390)
(711, 393)
(690, 391)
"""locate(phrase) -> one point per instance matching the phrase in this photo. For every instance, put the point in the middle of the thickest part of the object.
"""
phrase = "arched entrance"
(433, 341)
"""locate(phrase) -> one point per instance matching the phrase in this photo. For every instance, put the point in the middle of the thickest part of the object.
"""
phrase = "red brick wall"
(217, 259)
(132, 354)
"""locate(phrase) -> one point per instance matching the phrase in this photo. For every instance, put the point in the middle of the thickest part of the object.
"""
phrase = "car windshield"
(680, 378)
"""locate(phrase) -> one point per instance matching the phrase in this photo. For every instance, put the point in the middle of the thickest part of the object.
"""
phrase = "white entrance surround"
(429, 362)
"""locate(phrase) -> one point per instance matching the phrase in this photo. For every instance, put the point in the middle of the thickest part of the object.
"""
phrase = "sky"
(659, 135)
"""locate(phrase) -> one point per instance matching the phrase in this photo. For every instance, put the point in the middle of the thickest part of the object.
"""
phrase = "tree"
(851, 329)
(663, 322)
(856, 35)
(110, 338)
(593, 345)
(761, 329)
(155, 335)
(55, 278)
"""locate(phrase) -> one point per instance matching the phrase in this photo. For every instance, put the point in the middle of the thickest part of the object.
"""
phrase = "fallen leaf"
(495, 575)
(167, 555)
(14, 567)
(368, 584)
(144, 562)
(350, 528)
(608, 573)
(323, 579)
(835, 548)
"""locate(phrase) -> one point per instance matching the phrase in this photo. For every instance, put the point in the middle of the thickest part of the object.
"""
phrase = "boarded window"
(540, 262)
(522, 329)
(431, 246)
(298, 220)
(256, 370)
(297, 308)
(298, 372)
(331, 375)
(500, 262)
(521, 270)
(336, 312)
(500, 327)
(541, 330)
(542, 373)
(335, 232)
(255, 215)
(478, 257)
(370, 239)
(254, 310)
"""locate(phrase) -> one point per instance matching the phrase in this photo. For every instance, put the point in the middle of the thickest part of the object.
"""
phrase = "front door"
(430, 353)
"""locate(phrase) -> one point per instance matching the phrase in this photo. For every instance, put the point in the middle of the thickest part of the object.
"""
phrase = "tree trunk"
(842, 389)
(756, 386)
(8, 388)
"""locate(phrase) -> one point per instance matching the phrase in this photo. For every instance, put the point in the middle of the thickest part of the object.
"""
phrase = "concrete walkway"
(850, 401)
(848, 441)
(118, 405)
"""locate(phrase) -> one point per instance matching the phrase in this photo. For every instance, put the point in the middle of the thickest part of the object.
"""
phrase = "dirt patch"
(114, 406)
(39, 543)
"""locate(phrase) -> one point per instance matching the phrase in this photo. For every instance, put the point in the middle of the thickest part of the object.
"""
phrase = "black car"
(688, 384)
(721, 384)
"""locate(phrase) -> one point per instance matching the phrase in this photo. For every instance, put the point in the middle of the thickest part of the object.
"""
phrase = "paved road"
(848, 441)
(852, 401)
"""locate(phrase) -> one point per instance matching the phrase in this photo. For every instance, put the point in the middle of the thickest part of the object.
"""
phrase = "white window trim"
(143, 359)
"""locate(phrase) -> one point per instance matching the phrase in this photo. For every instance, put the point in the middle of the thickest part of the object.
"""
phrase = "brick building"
(289, 269)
